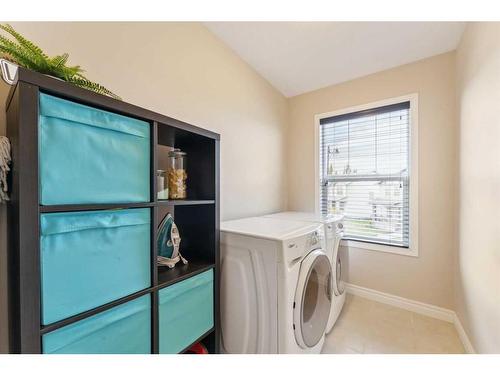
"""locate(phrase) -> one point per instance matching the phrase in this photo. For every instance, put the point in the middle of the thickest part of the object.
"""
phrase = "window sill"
(377, 247)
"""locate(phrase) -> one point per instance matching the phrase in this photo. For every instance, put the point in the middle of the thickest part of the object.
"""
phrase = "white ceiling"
(297, 57)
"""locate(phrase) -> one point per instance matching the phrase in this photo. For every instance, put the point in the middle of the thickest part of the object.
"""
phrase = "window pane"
(365, 173)
(374, 210)
(336, 142)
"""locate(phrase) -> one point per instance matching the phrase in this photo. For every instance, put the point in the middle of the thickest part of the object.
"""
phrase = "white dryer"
(275, 279)
(334, 231)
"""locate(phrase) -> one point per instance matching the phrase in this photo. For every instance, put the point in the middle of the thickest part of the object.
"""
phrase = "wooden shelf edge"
(115, 206)
(93, 207)
(184, 202)
(178, 275)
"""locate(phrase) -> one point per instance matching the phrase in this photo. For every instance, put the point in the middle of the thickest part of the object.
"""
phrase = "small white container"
(161, 186)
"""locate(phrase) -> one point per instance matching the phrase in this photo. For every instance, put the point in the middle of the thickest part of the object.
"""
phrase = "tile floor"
(370, 327)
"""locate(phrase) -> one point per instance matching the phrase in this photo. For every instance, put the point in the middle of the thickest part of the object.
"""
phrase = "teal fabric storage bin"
(91, 258)
(186, 312)
(87, 155)
(124, 329)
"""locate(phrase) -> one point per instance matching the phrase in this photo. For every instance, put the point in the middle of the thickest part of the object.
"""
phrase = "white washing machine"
(275, 279)
(334, 231)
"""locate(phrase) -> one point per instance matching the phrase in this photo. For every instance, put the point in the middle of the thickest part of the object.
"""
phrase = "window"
(365, 173)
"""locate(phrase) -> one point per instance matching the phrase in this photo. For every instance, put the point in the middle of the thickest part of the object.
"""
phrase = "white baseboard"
(463, 336)
(402, 303)
(414, 306)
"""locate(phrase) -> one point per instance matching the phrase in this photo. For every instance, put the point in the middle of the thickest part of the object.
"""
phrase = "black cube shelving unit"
(197, 217)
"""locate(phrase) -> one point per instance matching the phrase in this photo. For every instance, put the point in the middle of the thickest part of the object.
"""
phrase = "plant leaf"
(23, 41)
(85, 83)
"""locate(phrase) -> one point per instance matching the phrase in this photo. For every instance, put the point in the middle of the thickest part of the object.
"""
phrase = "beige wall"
(478, 271)
(428, 278)
(182, 70)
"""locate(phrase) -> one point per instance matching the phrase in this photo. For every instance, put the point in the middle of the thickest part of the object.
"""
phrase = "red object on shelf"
(197, 348)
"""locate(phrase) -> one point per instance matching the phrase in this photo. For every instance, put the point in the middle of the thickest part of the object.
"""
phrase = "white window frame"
(412, 250)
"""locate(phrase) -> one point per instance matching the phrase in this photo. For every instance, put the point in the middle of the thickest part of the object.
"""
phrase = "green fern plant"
(25, 53)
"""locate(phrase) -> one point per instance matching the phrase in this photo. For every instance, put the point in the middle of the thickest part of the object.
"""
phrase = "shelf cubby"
(200, 160)
(196, 225)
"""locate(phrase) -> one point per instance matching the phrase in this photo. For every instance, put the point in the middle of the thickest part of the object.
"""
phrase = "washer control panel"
(316, 240)
(297, 247)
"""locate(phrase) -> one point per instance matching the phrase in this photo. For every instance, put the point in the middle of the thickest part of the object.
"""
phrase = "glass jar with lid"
(176, 174)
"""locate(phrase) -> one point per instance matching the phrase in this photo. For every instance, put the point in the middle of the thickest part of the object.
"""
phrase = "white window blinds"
(364, 173)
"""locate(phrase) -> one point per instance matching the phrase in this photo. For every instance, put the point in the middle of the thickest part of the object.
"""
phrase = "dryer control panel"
(334, 229)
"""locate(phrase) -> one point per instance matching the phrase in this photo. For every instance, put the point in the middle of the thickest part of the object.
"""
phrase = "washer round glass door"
(312, 299)
(339, 285)
(339, 282)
